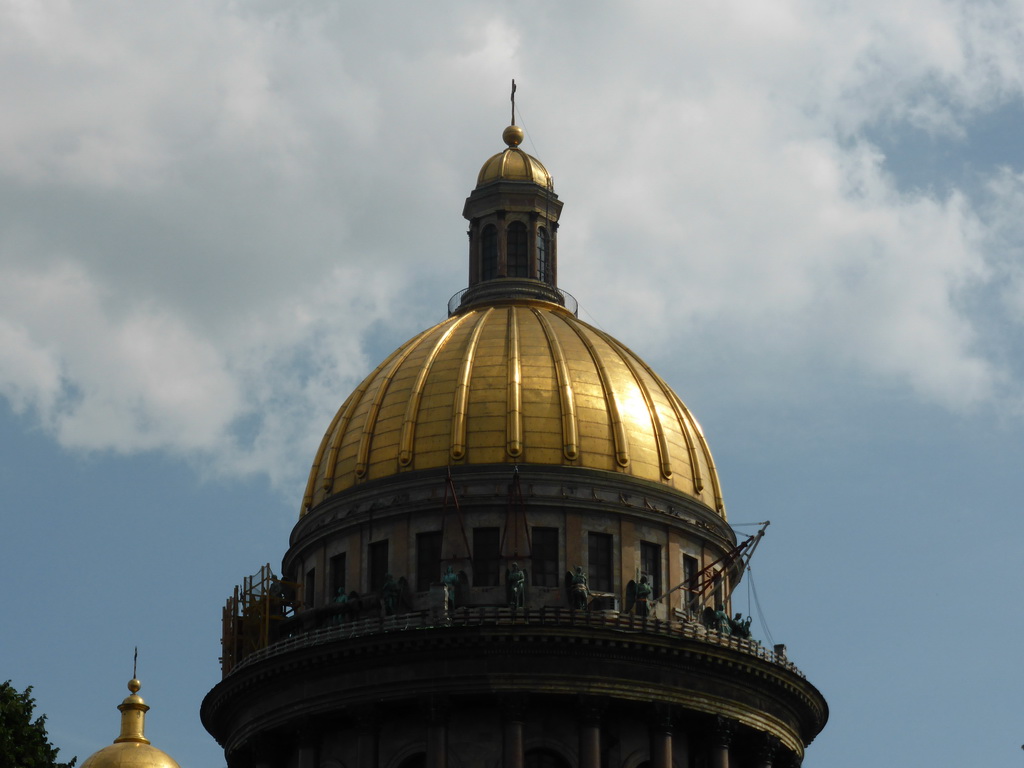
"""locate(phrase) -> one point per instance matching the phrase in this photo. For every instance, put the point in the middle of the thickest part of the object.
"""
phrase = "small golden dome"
(519, 382)
(513, 164)
(131, 749)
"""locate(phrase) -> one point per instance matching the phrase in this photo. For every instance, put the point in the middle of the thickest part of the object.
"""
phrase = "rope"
(760, 610)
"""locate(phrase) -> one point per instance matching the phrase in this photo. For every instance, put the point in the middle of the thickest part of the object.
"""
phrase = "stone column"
(681, 748)
(531, 246)
(661, 738)
(553, 251)
(437, 733)
(502, 245)
(474, 251)
(590, 733)
(367, 742)
(513, 711)
(723, 733)
(767, 749)
(264, 753)
(307, 751)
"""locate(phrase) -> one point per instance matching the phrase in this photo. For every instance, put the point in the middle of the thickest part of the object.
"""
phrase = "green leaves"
(23, 742)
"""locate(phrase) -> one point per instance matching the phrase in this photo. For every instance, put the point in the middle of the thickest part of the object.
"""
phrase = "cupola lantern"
(513, 224)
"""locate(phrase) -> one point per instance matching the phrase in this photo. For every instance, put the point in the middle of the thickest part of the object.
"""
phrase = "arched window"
(516, 255)
(489, 253)
(544, 758)
(418, 760)
(543, 267)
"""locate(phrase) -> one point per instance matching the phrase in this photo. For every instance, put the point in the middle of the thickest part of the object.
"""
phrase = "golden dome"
(131, 749)
(519, 382)
(513, 164)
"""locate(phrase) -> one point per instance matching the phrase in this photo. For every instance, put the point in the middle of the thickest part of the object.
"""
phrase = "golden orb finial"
(513, 136)
(134, 685)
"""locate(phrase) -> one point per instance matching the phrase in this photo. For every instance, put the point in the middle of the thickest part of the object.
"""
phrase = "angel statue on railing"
(577, 589)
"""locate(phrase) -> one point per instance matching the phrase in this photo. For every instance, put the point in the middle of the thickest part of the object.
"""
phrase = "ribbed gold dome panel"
(130, 755)
(524, 383)
(514, 165)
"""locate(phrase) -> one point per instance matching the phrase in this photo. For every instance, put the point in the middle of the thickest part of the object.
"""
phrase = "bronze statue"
(577, 588)
(515, 587)
(740, 627)
(643, 595)
(716, 619)
(722, 622)
(341, 600)
(638, 597)
(451, 580)
(390, 591)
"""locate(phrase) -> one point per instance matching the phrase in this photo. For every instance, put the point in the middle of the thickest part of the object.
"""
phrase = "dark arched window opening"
(544, 758)
(543, 266)
(415, 761)
(516, 255)
(489, 253)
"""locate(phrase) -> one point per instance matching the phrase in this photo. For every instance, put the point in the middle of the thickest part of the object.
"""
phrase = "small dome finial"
(133, 715)
(131, 749)
(513, 136)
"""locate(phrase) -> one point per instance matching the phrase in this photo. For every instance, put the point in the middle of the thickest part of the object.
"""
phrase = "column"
(553, 251)
(474, 251)
(767, 749)
(437, 733)
(513, 710)
(681, 747)
(367, 743)
(661, 738)
(590, 733)
(723, 733)
(531, 246)
(502, 245)
(264, 752)
(307, 752)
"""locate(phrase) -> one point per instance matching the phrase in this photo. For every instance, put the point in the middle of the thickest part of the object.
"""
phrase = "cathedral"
(512, 552)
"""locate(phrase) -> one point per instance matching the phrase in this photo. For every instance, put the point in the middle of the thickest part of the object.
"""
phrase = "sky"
(808, 217)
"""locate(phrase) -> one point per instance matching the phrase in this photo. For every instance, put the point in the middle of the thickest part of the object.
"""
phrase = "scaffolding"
(252, 613)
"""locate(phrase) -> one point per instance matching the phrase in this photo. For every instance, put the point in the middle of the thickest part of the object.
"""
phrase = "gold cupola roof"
(517, 382)
(513, 164)
(131, 749)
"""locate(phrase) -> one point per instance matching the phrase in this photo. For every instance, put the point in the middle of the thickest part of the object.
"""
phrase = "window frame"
(545, 571)
(601, 561)
(375, 574)
(543, 255)
(489, 252)
(486, 556)
(650, 565)
(309, 588)
(517, 250)
(338, 565)
(428, 559)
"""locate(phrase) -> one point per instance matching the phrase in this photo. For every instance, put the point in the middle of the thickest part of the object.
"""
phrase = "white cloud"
(209, 207)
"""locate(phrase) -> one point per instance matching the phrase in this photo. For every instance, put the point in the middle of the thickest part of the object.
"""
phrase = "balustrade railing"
(498, 616)
(568, 300)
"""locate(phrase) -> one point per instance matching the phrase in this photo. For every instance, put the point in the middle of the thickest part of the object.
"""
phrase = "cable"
(760, 610)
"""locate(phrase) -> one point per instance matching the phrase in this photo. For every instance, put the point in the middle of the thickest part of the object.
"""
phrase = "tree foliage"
(23, 741)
